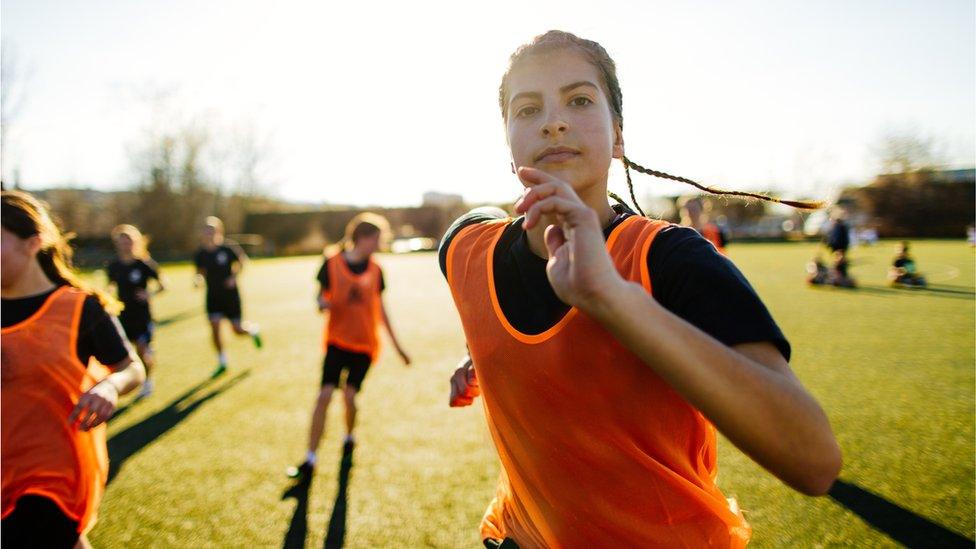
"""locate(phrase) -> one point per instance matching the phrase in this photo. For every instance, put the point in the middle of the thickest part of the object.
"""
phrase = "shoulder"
(474, 217)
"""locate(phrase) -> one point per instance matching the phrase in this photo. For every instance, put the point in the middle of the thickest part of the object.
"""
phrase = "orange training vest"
(354, 310)
(42, 380)
(596, 449)
(713, 234)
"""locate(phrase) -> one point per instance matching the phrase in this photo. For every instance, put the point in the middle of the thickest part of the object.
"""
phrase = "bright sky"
(374, 103)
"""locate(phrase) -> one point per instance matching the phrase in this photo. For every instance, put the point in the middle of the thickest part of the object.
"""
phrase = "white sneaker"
(147, 389)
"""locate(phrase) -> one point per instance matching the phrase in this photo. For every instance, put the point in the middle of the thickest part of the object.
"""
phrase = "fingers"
(554, 238)
(90, 412)
(461, 393)
(571, 211)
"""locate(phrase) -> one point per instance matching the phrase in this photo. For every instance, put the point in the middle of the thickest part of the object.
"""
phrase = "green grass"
(893, 369)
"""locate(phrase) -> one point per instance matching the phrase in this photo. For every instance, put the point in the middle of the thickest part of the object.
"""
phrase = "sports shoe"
(221, 368)
(303, 471)
(256, 338)
(147, 389)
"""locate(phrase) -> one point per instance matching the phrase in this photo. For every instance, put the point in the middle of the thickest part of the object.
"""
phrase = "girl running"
(55, 393)
(218, 264)
(131, 272)
(351, 287)
(606, 345)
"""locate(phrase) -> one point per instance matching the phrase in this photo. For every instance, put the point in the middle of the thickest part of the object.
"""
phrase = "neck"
(595, 197)
(32, 282)
(126, 256)
(355, 255)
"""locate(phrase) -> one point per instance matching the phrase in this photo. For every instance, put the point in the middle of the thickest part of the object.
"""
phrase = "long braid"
(630, 187)
(799, 204)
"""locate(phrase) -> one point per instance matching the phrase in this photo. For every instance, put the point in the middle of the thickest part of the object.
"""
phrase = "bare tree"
(13, 80)
(905, 151)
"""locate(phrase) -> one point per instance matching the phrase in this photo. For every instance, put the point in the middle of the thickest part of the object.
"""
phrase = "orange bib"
(596, 449)
(713, 234)
(354, 310)
(42, 380)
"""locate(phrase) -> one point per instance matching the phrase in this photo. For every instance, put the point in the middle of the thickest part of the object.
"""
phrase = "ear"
(618, 141)
(32, 244)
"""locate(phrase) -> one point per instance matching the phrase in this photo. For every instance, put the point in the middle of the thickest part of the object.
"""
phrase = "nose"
(555, 124)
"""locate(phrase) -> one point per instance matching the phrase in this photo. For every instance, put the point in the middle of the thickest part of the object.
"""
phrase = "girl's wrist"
(606, 301)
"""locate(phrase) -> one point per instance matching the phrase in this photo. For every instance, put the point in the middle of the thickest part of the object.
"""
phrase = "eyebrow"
(564, 89)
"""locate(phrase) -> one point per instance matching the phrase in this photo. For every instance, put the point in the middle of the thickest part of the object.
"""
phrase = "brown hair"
(25, 216)
(363, 224)
(599, 58)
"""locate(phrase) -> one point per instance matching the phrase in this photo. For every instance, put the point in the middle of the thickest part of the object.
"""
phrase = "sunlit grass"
(893, 369)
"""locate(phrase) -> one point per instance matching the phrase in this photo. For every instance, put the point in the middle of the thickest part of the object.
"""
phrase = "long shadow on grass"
(172, 319)
(134, 438)
(928, 291)
(335, 536)
(900, 524)
(298, 529)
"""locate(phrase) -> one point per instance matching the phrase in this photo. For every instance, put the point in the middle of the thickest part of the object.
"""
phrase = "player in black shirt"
(130, 273)
(218, 264)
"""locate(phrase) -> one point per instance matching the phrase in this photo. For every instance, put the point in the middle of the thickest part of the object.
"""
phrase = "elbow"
(820, 473)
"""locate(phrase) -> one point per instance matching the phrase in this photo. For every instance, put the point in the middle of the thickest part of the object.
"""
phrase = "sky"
(374, 103)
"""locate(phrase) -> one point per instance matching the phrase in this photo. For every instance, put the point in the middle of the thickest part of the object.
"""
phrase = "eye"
(525, 111)
(580, 101)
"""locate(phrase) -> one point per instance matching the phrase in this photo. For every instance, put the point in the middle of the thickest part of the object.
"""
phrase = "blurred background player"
(351, 284)
(130, 273)
(903, 270)
(696, 213)
(218, 264)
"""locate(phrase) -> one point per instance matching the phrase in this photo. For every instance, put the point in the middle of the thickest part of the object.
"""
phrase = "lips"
(557, 154)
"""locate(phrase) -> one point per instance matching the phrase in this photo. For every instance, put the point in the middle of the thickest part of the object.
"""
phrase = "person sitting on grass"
(817, 272)
(903, 271)
(838, 273)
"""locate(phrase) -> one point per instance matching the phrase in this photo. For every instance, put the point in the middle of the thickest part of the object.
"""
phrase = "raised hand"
(579, 266)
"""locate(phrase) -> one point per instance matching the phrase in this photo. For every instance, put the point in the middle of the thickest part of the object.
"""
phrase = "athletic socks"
(222, 359)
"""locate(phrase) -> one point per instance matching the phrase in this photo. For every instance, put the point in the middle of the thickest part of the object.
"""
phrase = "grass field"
(201, 463)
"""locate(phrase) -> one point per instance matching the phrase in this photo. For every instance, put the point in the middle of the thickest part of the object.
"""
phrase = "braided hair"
(598, 56)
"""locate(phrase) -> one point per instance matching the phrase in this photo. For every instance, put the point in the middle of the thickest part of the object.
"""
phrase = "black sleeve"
(477, 215)
(198, 259)
(100, 335)
(691, 279)
(323, 276)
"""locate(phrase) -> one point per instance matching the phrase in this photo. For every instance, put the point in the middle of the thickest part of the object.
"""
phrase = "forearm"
(764, 411)
(389, 327)
(127, 375)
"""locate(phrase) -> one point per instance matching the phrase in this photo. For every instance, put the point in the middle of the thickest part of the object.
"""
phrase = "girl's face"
(368, 244)
(209, 235)
(123, 243)
(15, 256)
(560, 120)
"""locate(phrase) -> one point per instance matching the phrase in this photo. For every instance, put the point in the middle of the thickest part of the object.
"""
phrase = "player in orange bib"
(351, 284)
(55, 393)
(608, 347)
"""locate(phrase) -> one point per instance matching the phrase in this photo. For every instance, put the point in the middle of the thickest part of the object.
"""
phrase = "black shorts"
(338, 359)
(37, 521)
(138, 325)
(224, 304)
